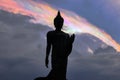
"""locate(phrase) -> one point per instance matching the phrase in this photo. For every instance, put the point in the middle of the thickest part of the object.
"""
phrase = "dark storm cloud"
(99, 67)
(22, 47)
(18, 68)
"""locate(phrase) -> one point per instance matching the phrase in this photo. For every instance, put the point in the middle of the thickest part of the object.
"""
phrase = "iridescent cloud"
(44, 14)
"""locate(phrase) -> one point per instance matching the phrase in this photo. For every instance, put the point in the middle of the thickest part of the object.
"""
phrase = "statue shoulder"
(65, 33)
(50, 33)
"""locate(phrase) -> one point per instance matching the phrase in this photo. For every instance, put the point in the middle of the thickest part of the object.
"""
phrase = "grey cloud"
(22, 47)
(22, 53)
(95, 67)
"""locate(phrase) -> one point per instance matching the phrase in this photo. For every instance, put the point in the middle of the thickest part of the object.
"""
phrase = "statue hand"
(72, 38)
(46, 62)
(73, 35)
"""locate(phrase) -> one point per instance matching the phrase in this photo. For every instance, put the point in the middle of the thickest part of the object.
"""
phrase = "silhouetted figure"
(61, 44)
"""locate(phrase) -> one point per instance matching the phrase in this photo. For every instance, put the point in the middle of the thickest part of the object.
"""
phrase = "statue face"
(58, 25)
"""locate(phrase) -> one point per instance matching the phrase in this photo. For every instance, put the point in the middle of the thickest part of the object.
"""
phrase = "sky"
(104, 13)
(23, 28)
(44, 13)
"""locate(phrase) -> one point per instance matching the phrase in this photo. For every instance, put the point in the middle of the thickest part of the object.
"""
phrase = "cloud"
(22, 48)
(22, 52)
(95, 67)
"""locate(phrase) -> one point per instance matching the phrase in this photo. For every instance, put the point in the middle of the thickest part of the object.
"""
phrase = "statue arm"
(48, 48)
(71, 40)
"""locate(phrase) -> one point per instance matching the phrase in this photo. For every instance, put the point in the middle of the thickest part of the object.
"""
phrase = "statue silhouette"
(61, 44)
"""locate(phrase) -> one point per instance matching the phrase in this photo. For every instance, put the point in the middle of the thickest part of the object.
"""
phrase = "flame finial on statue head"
(59, 13)
(58, 21)
(59, 16)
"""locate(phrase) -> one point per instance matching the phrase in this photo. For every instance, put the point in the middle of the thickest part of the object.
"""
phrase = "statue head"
(58, 21)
